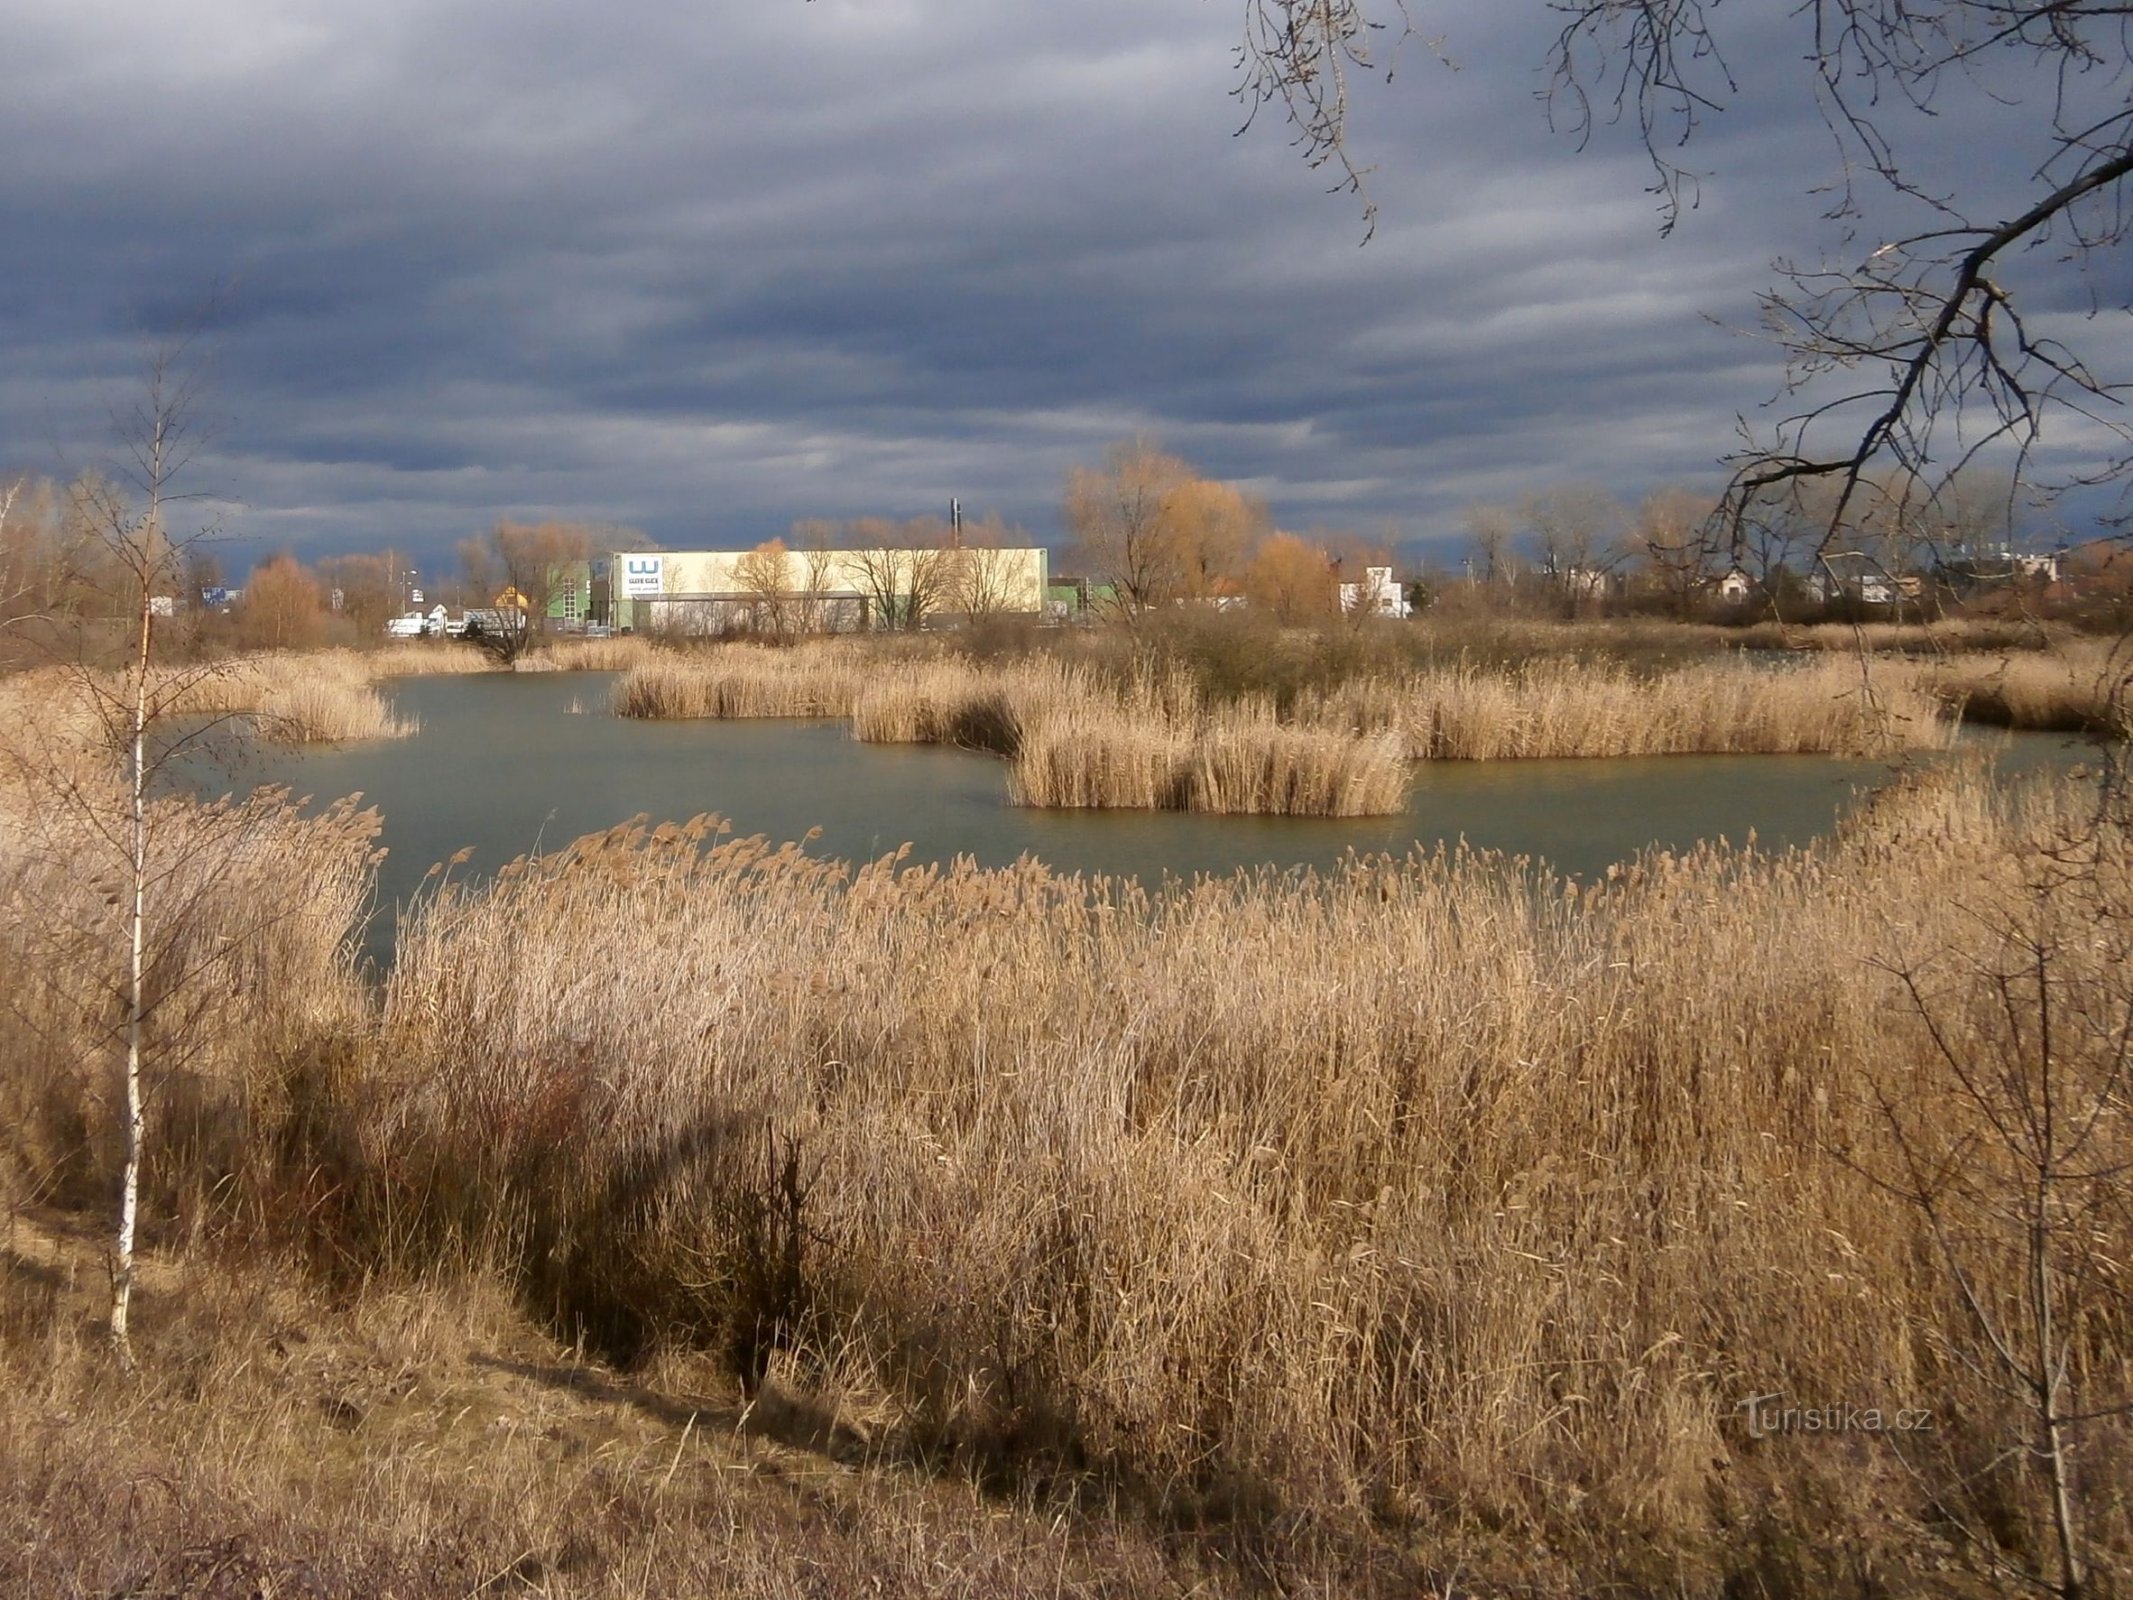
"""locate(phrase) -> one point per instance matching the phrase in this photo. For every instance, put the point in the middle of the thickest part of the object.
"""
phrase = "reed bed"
(1432, 1203)
(1429, 1192)
(1561, 708)
(742, 681)
(1077, 741)
(617, 653)
(2077, 686)
(1079, 735)
(289, 697)
(1947, 635)
(325, 696)
(425, 658)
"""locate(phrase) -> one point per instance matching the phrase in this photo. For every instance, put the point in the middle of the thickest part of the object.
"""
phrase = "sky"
(706, 270)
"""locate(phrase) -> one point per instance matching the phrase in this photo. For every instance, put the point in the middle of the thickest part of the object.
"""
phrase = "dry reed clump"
(742, 681)
(617, 653)
(426, 658)
(953, 700)
(1095, 757)
(1560, 708)
(1077, 741)
(941, 701)
(2078, 686)
(315, 697)
(1429, 1191)
(1247, 761)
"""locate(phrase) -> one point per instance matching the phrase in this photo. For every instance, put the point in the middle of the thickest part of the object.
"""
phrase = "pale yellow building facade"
(708, 591)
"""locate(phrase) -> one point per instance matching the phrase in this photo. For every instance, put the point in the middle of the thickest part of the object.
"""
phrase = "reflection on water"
(504, 765)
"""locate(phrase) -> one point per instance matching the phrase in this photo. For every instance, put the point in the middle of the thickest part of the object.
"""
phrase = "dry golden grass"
(741, 681)
(325, 696)
(1430, 1205)
(1554, 708)
(617, 653)
(423, 1442)
(2075, 686)
(425, 658)
(1428, 1191)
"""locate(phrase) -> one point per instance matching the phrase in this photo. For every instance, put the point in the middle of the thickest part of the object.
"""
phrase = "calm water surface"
(511, 762)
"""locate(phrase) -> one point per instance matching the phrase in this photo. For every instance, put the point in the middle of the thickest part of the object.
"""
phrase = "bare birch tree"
(132, 710)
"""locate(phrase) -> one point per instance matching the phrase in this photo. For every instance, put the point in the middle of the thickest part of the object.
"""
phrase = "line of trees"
(1569, 547)
(1149, 532)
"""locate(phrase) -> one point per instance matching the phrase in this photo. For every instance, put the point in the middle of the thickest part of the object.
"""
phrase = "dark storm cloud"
(709, 269)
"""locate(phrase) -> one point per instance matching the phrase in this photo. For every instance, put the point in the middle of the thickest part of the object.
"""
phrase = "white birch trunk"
(136, 930)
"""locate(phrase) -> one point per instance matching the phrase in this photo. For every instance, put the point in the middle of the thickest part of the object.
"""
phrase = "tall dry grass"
(2074, 686)
(294, 697)
(616, 653)
(741, 681)
(1561, 708)
(1431, 1191)
(1083, 734)
(425, 658)
(286, 696)
(1432, 1201)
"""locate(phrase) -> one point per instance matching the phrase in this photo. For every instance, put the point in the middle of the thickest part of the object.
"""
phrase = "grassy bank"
(1425, 1217)
(426, 1442)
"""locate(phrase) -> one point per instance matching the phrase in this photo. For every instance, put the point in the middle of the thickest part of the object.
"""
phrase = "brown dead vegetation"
(1432, 1216)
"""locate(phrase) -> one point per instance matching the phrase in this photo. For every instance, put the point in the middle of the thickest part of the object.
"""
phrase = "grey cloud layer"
(710, 269)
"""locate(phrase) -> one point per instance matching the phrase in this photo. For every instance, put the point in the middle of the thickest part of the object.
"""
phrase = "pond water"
(511, 762)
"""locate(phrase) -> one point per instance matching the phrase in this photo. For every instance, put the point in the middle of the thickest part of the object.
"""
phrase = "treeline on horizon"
(1146, 532)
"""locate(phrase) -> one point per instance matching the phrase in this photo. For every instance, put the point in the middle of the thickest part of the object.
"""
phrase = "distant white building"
(1856, 578)
(1377, 595)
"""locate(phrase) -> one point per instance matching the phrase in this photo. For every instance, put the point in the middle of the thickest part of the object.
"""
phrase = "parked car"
(412, 626)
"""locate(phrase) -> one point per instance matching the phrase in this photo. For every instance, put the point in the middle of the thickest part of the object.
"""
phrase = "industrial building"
(775, 589)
